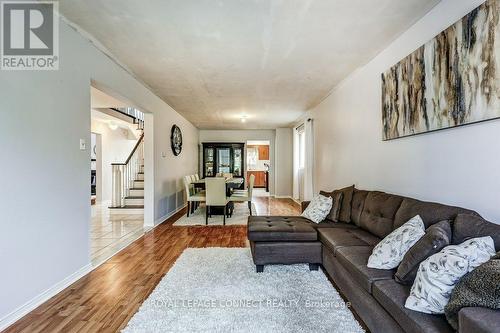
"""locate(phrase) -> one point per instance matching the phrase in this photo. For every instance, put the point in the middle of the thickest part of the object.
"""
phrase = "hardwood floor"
(106, 299)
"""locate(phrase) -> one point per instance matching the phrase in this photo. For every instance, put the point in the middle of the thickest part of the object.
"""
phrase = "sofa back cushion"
(468, 226)
(430, 212)
(358, 202)
(378, 213)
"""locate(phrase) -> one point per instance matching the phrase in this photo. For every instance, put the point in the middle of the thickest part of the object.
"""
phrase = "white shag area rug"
(218, 290)
(240, 216)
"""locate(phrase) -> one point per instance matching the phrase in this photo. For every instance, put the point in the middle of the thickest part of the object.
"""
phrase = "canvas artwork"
(452, 80)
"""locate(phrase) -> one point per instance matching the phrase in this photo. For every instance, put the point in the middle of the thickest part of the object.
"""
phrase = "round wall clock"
(176, 140)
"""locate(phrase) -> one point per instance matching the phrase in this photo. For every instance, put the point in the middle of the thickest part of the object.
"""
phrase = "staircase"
(128, 183)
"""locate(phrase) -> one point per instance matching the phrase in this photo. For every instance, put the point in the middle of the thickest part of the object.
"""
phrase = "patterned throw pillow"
(438, 274)
(391, 250)
(318, 209)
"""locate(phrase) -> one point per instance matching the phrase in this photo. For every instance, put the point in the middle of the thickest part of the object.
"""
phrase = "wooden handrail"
(133, 151)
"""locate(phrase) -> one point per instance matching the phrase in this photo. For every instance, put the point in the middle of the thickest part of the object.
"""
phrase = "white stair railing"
(124, 174)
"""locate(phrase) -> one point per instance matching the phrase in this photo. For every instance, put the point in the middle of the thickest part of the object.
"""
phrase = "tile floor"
(111, 233)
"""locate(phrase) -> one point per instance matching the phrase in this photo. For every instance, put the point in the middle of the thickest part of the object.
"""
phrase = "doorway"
(258, 164)
(118, 182)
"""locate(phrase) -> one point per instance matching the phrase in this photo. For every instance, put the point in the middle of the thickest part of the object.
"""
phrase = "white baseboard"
(169, 215)
(282, 196)
(32, 304)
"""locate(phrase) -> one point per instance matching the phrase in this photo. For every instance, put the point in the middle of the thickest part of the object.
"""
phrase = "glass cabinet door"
(238, 162)
(209, 162)
(224, 160)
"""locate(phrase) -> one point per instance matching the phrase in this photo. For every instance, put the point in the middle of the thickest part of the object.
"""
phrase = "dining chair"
(242, 196)
(215, 196)
(192, 197)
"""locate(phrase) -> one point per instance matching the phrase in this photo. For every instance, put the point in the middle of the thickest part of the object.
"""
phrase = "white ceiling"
(270, 60)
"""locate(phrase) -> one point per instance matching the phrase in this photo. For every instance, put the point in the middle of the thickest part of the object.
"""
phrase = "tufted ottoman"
(283, 240)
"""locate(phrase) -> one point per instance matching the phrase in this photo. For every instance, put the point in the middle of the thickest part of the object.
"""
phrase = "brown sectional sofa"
(343, 248)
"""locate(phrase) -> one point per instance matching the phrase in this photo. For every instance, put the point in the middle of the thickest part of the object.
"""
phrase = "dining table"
(231, 185)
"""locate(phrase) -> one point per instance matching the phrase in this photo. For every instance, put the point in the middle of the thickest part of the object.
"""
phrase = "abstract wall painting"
(452, 80)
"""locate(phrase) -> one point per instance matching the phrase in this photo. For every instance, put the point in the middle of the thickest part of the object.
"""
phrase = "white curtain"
(309, 161)
(296, 165)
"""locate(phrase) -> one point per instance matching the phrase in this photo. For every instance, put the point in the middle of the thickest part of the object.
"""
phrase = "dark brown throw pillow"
(436, 237)
(337, 203)
(469, 226)
(345, 209)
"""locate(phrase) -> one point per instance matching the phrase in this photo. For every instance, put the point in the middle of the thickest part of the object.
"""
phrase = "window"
(302, 147)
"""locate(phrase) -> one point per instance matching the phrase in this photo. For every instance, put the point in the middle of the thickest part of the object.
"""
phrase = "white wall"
(116, 146)
(284, 162)
(456, 166)
(46, 209)
(243, 136)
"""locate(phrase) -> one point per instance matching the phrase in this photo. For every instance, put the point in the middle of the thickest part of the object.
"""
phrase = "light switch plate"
(83, 144)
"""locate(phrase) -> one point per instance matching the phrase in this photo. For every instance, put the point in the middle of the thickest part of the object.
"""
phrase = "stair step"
(127, 209)
(136, 192)
(138, 184)
(134, 201)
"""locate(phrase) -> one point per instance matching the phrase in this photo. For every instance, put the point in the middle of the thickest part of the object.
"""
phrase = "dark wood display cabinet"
(223, 158)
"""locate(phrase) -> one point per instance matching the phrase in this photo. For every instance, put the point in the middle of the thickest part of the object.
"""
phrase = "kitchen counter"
(260, 177)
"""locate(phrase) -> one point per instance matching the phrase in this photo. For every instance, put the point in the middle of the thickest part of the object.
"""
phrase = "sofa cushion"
(436, 237)
(367, 237)
(280, 228)
(430, 212)
(478, 320)
(335, 238)
(345, 209)
(378, 213)
(329, 224)
(358, 202)
(469, 226)
(392, 296)
(354, 259)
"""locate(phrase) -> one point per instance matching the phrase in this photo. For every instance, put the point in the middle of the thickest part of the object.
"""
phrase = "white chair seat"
(197, 197)
(239, 198)
(242, 195)
(193, 196)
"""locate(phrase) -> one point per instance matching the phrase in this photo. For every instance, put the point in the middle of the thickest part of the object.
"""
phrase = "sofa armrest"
(478, 320)
(303, 205)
